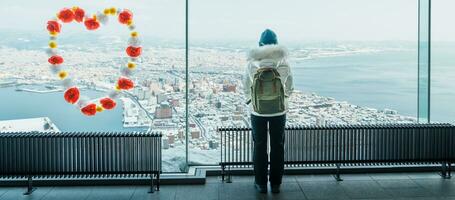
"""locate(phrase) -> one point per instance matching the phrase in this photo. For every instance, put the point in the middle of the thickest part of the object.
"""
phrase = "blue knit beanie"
(268, 37)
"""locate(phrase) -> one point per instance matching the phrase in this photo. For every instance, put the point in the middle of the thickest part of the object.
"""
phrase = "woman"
(268, 84)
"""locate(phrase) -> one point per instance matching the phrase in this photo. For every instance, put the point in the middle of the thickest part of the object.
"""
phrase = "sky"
(293, 20)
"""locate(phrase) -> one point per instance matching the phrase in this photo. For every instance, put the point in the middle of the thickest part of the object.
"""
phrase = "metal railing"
(348, 144)
(80, 154)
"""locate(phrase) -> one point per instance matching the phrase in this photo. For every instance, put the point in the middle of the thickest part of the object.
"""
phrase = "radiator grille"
(37, 154)
(397, 143)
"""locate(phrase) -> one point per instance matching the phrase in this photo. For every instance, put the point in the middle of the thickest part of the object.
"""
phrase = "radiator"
(388, 143)
(57, 154)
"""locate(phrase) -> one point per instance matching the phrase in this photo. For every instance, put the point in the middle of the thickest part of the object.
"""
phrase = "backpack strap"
(274, 87)
(261, 87)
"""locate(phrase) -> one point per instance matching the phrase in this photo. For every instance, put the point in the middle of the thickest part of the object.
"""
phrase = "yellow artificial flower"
(99, 109)
(113, 10)
(129, 23)
(62, 75)
(53, 44)
(131, 65)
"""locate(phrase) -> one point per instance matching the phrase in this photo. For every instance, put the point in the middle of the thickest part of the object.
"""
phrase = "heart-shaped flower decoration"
(93, 22)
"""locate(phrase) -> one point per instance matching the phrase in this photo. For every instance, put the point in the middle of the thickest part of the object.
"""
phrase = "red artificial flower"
(125, 16)
(72, 95)
(55, 60)
(107, 103)
(54, 26)
(66, 15)
(79, 14)
(91, 24)
(134, 51)
(89, 109)
(125, 84)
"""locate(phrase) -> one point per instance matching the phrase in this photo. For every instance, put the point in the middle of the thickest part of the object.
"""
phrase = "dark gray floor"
(364, 186)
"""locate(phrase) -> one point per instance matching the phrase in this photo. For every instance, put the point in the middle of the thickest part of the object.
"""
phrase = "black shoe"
(261, 188)
(275, 188)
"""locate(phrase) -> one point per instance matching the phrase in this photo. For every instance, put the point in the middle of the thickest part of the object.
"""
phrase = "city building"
(161, 98)
(42, 124)
(165, 143)
(171, 139)
(229, 88)
(195, 134)
(213, 144)
(163, 111)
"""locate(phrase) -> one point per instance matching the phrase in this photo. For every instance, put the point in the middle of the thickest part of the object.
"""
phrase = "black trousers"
(275, 127)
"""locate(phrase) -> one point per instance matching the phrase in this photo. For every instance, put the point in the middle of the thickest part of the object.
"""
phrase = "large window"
(443, 63)
(353, 62)
(28, 89)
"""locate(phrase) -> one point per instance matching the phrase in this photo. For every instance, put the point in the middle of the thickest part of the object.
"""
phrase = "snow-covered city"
(215, 93)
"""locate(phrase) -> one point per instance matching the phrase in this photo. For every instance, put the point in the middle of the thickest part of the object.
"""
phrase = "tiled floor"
(364, 186)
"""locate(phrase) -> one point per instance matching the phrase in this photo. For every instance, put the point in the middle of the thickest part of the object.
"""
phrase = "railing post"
(152, 189)
(229, 178)
(158, 181)
(223, 167)
(337, 175)
(449, 170)
(30, 188)
(445, 170)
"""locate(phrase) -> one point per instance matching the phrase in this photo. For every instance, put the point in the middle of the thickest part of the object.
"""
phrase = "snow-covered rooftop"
(42, 124)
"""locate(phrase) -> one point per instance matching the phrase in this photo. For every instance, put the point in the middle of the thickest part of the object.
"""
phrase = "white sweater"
(268, 56)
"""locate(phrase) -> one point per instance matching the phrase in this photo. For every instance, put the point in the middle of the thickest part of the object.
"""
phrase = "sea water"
(380, 80)
(18, 104)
